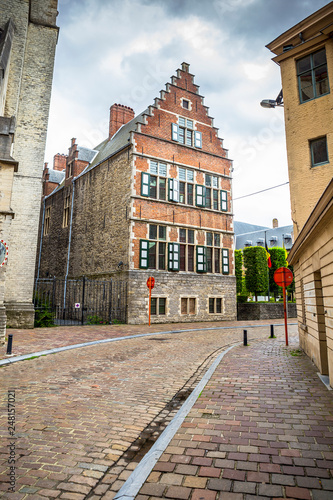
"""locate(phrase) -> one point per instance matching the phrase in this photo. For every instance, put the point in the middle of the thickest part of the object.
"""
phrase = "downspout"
(69, 243)
(41, 240)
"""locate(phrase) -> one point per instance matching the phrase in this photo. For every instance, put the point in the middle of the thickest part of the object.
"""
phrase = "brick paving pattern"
(83, 416)
(262, 428)
(40, 339)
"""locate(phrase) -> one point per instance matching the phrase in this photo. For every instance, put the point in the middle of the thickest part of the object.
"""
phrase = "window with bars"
(188, 305)
(66, 212)
(186, 250)
(215, 305)
(47, 221)
(184, 133)
(312, 76)
(158, 306)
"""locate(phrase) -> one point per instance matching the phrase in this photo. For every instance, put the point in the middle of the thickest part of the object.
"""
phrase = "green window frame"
(224, 201)
(225, 261)
(200, 195)
(145, 184)
(144, 254)
(201, 259)
(173, 256)
(312, 76)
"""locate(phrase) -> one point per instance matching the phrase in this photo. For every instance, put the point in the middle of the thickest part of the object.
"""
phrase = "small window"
(187, 305)
(319, 153)
(215, 305)
(186, 104)
(158, 306)
(47, 221)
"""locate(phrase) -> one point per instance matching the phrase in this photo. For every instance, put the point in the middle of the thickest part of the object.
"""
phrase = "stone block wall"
(255, 311)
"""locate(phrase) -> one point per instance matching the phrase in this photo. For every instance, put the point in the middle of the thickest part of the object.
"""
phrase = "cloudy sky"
(125, 51)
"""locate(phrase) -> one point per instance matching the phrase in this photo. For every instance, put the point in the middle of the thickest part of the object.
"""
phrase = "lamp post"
(271, 103)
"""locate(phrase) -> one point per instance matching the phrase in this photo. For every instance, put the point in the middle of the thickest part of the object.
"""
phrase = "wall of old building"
(27, 98)
(314, 295)
(303, 122)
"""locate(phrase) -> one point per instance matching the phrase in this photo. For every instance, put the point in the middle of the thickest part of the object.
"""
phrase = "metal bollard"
(272, 332)
(245, 336)
(10, 343)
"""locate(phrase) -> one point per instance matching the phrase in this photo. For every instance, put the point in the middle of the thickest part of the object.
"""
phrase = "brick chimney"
(119, 115)
(275, 223)
(59, 162)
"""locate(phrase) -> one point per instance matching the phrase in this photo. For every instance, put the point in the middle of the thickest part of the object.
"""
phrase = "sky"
(125, 51)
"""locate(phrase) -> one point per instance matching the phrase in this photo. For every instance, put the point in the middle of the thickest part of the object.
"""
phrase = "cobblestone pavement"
(38, 339)
(85, 417)
(262, 428)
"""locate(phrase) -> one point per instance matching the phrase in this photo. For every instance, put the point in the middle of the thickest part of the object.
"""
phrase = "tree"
(256, 276)
(278, 259)
(239, 270)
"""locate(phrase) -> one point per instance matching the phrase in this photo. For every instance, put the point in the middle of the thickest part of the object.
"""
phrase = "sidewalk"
(262, 428)
(39, 339)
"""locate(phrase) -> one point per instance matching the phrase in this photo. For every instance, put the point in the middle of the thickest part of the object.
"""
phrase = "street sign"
(151, 282)
(3, 253)
(283, 277)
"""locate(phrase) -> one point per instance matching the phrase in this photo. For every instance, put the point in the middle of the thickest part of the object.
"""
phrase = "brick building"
(153, 199)
(28, 37)
(305, 55)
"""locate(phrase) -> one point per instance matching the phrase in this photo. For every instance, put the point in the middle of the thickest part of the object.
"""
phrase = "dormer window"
(273, 240)
(260, 242)
(248, 243)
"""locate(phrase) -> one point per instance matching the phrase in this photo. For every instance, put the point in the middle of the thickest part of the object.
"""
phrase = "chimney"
(59, 162)
(275, 223)
(119, 115)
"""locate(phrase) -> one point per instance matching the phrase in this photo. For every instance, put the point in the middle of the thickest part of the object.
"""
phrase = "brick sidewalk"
(38, 339)
(262, 428)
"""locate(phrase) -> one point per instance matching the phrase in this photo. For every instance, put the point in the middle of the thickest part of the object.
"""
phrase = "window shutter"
(174, 131)
(144, 246)
(201, 259)
(200, 199)
(197, 139)
(173, 190)
(173, 256)
(225, 260)
(145, 183)
(224, 201)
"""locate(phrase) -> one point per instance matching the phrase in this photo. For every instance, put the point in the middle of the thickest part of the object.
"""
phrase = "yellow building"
(305, 55)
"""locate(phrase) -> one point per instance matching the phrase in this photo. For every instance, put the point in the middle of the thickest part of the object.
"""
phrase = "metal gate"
(81, 301)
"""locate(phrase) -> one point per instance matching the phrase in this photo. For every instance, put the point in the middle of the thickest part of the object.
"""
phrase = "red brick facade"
(156, 200)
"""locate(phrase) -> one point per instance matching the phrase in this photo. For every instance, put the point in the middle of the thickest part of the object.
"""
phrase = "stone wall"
(183, 285)
(28, 98)
(255, 311)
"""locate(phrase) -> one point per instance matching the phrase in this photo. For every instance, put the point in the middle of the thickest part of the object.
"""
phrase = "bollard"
(272, 332)
(10, 343)
(245, 337)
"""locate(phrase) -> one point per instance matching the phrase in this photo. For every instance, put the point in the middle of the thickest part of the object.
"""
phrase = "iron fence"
(81, 301)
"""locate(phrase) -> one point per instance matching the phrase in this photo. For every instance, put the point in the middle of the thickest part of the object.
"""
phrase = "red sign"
(283, 277)
(150, 282)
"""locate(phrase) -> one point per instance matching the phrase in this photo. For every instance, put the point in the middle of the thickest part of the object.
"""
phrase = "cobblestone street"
(85, 417)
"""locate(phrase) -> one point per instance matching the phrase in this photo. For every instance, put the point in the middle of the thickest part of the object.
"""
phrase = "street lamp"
(271, 103)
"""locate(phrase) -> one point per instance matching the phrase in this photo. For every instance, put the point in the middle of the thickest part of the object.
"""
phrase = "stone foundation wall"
(254, 311)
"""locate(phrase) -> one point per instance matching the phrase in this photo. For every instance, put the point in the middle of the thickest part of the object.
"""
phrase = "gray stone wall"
(183, 285)
(100, 240)
(28, 98)
(249, 311)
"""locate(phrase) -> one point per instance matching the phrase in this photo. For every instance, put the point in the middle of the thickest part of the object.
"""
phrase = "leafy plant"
(44, 317)
(278, 259)
(239, 270)
(256, 275)
(96, 320)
